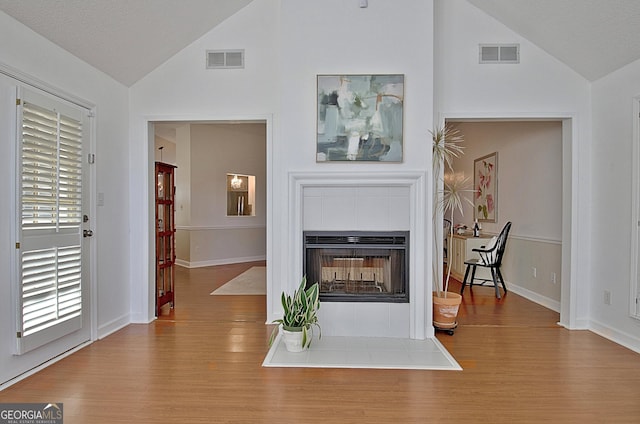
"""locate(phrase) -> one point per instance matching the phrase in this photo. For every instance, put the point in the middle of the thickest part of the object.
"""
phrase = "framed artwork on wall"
(485, 185)
(359, 118)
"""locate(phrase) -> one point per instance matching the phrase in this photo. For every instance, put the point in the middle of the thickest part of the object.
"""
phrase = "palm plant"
(453, 195)
(447, 146)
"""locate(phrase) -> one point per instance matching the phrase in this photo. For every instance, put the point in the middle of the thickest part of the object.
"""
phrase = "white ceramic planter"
(292, 340)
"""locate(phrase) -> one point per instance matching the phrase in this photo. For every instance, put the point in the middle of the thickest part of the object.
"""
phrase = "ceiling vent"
(225, 59)
(499, 53)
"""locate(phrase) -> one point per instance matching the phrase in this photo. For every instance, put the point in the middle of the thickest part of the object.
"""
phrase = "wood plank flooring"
(201, 363)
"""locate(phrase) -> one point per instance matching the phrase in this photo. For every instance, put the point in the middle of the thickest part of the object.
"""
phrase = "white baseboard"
(113, 326)
(182, 263)
(214, 262)
(141, 319)
(624, 339)
(548, 303)
(42, 366)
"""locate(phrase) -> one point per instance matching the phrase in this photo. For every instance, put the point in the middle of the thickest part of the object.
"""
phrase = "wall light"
(236, 182)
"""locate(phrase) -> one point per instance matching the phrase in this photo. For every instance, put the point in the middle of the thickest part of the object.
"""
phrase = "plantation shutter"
(50, 190)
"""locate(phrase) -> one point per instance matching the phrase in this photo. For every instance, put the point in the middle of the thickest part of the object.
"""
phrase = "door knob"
(87, 233)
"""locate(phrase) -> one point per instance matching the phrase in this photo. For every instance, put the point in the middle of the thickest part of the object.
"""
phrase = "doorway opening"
(205, 153)
(551, 288)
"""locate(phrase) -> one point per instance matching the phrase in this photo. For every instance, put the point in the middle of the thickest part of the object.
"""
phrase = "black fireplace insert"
(358, 266)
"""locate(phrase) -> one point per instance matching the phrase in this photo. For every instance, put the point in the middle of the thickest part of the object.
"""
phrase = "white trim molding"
(219, 227)
(541, 300)
(214, 262)
(573, 304)
(420, 280)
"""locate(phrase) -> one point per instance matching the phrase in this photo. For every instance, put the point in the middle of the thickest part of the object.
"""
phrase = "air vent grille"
(499, 53)
(225, 59)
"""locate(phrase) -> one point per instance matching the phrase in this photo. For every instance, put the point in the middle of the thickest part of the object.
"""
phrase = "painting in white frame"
(485, 185)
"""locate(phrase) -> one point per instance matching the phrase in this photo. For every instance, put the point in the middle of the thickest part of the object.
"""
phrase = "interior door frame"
(634, 283)
(20, 79)
(569, 314)
(148, 219)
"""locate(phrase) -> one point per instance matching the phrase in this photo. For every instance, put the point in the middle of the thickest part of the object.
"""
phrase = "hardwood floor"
(201, 363)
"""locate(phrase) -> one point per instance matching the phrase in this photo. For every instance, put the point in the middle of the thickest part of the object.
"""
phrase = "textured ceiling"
(127, 39)
(593, 37)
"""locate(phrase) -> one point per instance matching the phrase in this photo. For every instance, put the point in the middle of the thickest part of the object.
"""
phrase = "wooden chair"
(490, 257)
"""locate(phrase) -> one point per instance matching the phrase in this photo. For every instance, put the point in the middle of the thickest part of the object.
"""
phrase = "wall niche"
(241, 195)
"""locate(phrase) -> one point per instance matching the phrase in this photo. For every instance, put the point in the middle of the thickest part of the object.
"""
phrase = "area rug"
(364, 352)
(252, 281)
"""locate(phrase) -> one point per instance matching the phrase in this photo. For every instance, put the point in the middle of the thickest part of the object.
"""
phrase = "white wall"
(613, 138)
(538, 87)
(183, 90)
(168, 152)
(36, 57)
(287, 43)
(538, 84)
(338, 37)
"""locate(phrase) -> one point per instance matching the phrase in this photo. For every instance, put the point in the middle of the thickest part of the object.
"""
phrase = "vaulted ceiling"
(127, 39)
(593, 37)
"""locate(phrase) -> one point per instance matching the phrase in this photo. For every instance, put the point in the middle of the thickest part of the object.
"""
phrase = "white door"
(52, 223)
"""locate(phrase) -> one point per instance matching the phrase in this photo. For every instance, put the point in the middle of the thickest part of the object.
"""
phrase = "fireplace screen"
(358, 266)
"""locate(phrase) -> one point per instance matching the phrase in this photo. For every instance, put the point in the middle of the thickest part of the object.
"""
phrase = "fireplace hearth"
(358, 266)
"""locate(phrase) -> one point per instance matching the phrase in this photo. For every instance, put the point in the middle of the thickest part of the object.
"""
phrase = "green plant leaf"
(299, 310)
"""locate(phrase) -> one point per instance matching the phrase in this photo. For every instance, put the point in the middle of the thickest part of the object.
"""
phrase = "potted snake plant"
(299, 317)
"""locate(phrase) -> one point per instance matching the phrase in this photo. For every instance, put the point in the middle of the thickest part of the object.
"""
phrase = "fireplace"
(380, 203)
(358, 266)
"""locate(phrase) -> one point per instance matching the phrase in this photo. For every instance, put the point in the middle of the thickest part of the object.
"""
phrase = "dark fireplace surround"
(358, 266)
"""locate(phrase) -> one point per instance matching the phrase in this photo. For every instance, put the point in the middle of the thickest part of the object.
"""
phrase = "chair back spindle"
(490, 257)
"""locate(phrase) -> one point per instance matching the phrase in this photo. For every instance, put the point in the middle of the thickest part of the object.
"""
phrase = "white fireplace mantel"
(320, 200)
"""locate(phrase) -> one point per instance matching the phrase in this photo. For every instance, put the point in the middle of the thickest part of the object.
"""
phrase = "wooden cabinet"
(460, 249)
(165, 235)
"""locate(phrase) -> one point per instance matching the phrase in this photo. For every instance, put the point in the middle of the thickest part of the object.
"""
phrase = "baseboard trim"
(548, 303)
(42, 366)
(182, 263)
(624, 339)
(113, 326)
(214, 262)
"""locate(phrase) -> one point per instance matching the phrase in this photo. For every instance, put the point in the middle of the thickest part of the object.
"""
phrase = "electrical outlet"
(553, 277)
(607, 297)
(534, 272)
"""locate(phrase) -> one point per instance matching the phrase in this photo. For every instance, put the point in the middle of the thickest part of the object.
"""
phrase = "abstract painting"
(485, 185)
(360, 118)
